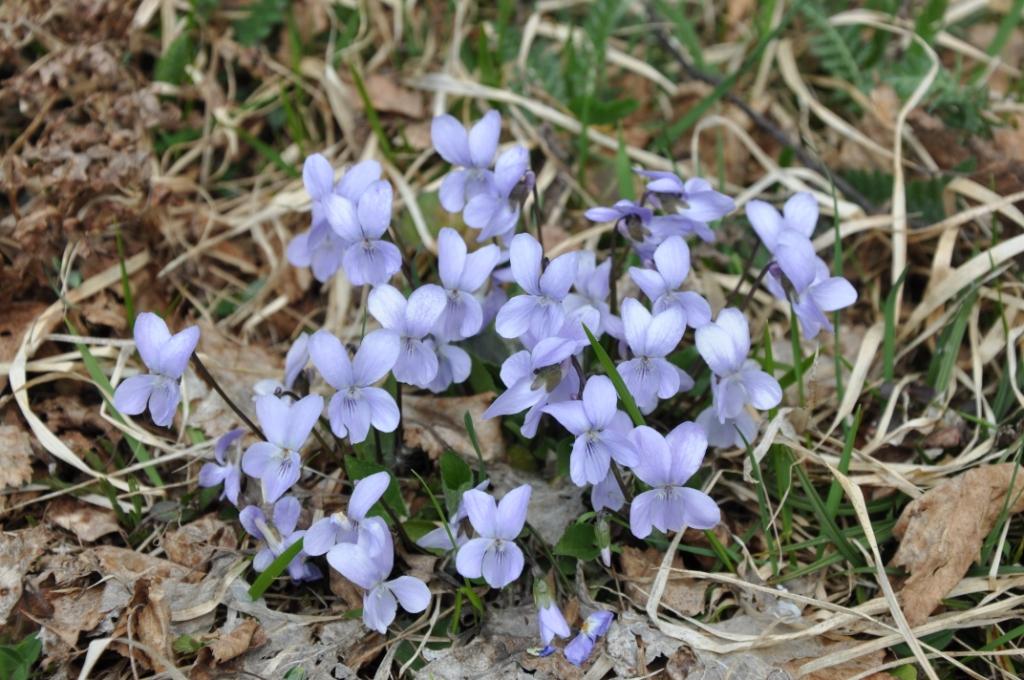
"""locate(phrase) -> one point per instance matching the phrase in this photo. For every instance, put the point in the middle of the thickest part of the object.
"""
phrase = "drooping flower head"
(453, 365)
(339, 527)
(278, 536)
(166, 356)
(689, 205)
(496, 210)
(550, 620)
(227, 469)
(367, 564)
(441, 537)
(494, 554)
(276, 462)
(462, 274)
(825, 293)
(601, 431)
(667, 464)
(321, 248)
(594, 626)
(539, 310)
(592, 287)
(357, 404)
(662, 284)
(411, 320)
(296, 359)
(368, 258)
(788, 236)
(649, 375)
(470, 152)
(535, 378)
(632, 221)
(737, 381)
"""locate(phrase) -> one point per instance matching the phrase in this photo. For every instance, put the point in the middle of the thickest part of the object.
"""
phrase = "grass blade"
(628, 402)
(275, 569)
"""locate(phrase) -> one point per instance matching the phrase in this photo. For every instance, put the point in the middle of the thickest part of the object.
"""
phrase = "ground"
(152, 161)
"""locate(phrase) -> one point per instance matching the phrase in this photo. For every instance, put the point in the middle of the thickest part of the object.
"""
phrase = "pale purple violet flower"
(441, 538)
(534, 379)
(462, 274)
(737, 381)
(592, 287)
(411, 320)
(601, 431)
(494, 555)
(496, 211)
(594, 626)
(690, 205)
(571, 329)
(357, 404)
(633, 221)
(227, 469)
(788, 236)
(275, 462)
(355, 526)
(649, 375)
(667, 464)
(826, 293)
(550, 620)
(540, 309)
(368, 258)
(662, 284)
(278, 537)
(471, 152)
(166, 356)
(367, 564)
(739, 431)
(453, 365)
(320, 248)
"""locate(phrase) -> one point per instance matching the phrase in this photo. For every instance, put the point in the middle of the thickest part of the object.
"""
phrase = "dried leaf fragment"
(942, 531)
(147, 619)
(85, 521)
(682, 595)
(15, 456)
(438, 423)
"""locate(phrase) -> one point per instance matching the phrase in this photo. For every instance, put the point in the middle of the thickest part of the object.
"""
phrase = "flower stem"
(206, 375)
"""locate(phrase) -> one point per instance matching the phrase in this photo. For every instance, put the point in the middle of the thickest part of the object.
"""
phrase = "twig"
(206, 375)
(758, 119)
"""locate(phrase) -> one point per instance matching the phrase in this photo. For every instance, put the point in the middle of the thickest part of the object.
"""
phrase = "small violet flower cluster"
(560, 301)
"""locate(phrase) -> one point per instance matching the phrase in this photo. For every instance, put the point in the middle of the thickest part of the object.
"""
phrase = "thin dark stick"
(760, 120)
(579, 372)
(746, 267)
(206, 375)
(755, 284)
(613, 298)
(626, 492)
(535, 208)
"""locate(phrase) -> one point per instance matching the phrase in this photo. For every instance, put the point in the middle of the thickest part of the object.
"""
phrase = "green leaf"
(263, 16)
(455, 472)
(187, 645)
(170, 67)
(578, 541)
(628, 402)
(275, 569)
(16, 661)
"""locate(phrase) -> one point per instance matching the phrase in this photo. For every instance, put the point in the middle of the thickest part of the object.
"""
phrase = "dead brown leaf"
(85, 521)
(194, 544)
(387, 95)
(127, 566)
(683, 595)
(226, 647)
(18, 550)
(437, 423)
(74, 612)
(942, 531)
(15, 456)
(17, 318)
(147, 619)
